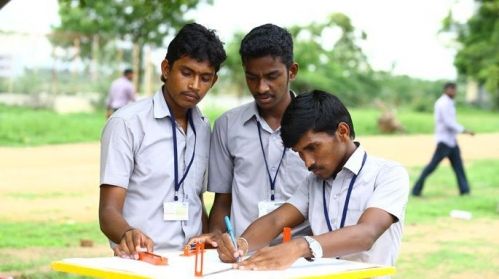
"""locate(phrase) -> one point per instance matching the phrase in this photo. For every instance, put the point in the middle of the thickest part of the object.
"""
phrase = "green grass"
(21, 126)
(441, 195)
(48, 234)
(29, 127)
(481, 121)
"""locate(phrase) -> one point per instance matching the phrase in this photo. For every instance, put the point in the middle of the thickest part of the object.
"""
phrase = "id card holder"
(265, 207)
(175, 211)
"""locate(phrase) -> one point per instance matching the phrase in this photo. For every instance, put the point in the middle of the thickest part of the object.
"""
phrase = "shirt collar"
(252, 110)
(354, 163)
(160, 108)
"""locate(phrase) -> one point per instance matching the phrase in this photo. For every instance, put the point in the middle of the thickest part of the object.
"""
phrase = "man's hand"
(133, 242)
(207, 238)
(226, 250)
(276, 257)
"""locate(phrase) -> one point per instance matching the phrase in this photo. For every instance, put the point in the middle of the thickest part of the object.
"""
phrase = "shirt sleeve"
(448, 116)
(221, 165)
(131, 93)
(391, 190)
(301, 199)
(116, 153)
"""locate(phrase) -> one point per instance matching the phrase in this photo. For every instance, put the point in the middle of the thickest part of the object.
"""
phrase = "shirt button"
(273, 168)
(335, 197)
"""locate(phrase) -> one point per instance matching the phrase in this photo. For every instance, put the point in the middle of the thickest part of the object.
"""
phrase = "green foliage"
(478, 57)
(330, 59)
(138, 21)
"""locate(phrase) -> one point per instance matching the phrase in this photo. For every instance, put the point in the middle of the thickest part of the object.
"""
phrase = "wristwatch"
(315, 248)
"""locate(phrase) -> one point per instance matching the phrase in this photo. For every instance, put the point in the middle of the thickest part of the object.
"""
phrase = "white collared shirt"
(137, 154)
(237, 165)
(446, 125)
(381, 184)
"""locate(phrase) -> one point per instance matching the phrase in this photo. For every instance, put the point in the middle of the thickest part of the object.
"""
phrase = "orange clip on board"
(152, 258)
(189, 250)
(198, 262)
(286, 234)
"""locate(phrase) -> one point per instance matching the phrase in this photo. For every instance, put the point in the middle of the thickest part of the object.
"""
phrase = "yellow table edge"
(361, 273)
(93, 272)
(113, 274)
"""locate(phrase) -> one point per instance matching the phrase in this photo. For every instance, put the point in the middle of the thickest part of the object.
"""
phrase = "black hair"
(196, 41)
(317, 111)
(127, 71)
(268, 39)
(448, 85)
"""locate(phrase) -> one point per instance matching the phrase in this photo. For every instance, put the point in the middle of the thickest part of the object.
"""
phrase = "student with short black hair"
(355, 202)
(154, 153)
(251, 172)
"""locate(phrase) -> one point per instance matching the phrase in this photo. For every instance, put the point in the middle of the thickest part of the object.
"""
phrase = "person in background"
(121, 92)
(446, 130)
(154, 153)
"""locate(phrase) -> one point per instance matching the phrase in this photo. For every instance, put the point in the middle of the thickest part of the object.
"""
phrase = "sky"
(402, 35)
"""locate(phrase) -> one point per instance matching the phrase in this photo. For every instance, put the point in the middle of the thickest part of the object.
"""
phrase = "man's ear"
(293, 71)
(215, 78)
(343, 131)
(165, 68)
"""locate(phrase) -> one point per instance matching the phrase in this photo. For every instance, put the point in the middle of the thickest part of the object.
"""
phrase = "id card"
(265, 207)
(175, 211)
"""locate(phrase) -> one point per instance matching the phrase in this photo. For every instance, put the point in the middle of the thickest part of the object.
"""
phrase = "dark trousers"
(454, 155)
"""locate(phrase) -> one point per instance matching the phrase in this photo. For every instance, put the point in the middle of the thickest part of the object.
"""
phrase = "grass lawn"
(28, 127)
(460, 253)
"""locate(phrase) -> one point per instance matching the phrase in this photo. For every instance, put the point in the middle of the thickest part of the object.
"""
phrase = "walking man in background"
(446, 129)
(121, 92)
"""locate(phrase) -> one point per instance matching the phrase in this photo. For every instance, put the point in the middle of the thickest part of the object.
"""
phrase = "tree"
(330, 59)
(96, 23)
(478, 56)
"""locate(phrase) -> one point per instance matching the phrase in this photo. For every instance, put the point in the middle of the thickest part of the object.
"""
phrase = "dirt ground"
(60, 182)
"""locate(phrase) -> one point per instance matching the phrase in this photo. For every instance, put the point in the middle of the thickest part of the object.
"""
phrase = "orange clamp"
(286, 234)
(198, 262)
(152, 258)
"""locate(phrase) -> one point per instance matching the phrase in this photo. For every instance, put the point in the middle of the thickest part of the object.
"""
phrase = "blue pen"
(230, 231)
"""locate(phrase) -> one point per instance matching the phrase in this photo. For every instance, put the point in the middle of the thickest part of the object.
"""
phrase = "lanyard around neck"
(175, 151)
(347, 200)
(271, 180)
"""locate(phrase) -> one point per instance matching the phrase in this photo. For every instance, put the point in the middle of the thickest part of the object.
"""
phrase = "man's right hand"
(208, 238)
(133, 242)
(226, 250)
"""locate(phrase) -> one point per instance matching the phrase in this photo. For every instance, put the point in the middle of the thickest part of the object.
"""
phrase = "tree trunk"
(95, 59)
(136, 61)
(148, 73)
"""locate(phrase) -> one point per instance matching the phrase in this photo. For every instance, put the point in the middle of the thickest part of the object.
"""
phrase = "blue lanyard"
(272, 181)
(175, 151)
(347, 200)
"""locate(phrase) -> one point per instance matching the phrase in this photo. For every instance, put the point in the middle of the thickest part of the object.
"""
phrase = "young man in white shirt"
(250, 171)
(446, 130)
(355, 203)
(154, 153)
